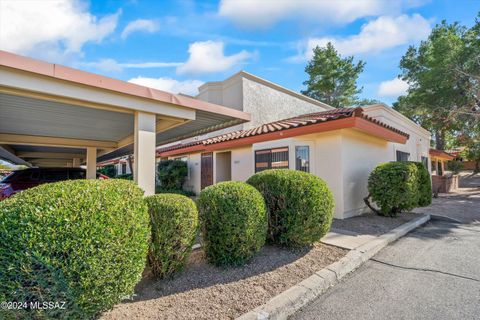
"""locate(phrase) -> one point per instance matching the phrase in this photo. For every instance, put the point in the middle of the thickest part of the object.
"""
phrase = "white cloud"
(392, 88)
(168, 84)
(51, 29)
(112, 65)
(142, 25)
(254, 13)
(208, 57)
(382, 33)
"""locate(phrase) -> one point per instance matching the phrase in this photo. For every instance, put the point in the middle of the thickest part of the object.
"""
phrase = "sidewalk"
(353, 232)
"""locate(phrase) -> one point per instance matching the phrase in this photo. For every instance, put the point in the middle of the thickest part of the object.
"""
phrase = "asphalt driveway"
(431, 273)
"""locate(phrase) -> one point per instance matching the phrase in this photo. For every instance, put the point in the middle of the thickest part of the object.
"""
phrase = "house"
(289, 130)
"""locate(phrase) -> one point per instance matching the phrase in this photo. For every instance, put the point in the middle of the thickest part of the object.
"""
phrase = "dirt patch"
(203, 291)
(373, 224)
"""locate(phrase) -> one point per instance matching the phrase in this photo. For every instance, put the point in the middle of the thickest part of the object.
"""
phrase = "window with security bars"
(402, 156)
(271, 159)
(302, 158)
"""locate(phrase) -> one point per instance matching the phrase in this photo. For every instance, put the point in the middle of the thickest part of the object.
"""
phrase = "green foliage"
(187, 193)
(127, 176)
(472, 152)
(108, 170)
(424, 185)
(174, 222)
(172, 174)
(394, 186)
(455, 166)
(234, 222)
(333, 79)
(443, 74)
(300, 205)
(83, 242)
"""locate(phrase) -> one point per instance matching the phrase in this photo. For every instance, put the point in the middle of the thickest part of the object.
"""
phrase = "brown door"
(206, 170)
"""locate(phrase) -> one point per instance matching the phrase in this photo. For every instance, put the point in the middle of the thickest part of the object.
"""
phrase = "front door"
(206, 170)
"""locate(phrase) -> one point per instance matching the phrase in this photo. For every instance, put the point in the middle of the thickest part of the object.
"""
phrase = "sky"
(178, 45)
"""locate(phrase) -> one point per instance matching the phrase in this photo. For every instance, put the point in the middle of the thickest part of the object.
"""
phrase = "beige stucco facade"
(342, 158)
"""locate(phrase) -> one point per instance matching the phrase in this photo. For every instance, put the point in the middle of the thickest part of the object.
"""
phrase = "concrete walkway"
(431, 273)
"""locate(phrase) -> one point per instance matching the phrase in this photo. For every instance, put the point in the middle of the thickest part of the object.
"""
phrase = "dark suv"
(28, 178)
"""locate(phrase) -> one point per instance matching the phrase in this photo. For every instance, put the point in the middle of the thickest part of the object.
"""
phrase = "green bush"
(300, 205)
(424, 185)
(172, 174)
(82, 242)
(126, 176)
(174, 222)
(455, 166)
(187, 193)
(394, 187)
(108, 170)
(234, 222)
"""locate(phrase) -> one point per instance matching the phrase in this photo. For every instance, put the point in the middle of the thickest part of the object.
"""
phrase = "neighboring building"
(341, 146)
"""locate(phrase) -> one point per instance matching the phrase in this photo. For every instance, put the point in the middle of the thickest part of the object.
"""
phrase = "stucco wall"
(419, 142)
(267, 104)
(223, 167)
(242, 164)
(193, 180)
(361, 153)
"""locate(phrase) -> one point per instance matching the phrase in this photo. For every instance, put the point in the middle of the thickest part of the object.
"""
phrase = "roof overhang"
(52, 106)
(358, 123)
(440, 155)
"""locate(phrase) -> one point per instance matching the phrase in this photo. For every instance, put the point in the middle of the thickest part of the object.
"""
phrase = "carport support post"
(91, 163)
(144, 151)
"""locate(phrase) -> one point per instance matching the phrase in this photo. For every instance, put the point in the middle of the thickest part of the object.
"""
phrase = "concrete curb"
(291, 300)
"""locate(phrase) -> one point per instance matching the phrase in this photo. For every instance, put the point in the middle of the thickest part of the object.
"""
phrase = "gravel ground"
(203, 291)
(372, 224)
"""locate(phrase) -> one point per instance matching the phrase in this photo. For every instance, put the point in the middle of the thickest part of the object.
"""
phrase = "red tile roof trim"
(349, 115)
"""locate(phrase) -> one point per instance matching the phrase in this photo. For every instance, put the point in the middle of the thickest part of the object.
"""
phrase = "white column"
(91, 163)
(436, 167)
(76, 162)
(144, 155)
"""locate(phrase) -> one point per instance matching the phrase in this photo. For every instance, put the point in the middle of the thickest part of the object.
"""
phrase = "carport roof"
(43, 100)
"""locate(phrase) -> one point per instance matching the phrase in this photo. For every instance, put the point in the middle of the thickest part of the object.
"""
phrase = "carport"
(52, 115)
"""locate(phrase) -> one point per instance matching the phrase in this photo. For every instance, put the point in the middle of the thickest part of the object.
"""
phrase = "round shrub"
(394, 186)
(424, 185)
(174, 222)
(83, 243)
(300, 205)
(234, 222)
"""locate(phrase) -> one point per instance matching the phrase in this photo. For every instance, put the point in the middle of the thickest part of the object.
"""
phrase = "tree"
(333, 79)
(472, 152)
(443, 74)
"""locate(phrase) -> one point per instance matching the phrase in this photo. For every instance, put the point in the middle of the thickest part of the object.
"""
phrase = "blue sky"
(177, 45)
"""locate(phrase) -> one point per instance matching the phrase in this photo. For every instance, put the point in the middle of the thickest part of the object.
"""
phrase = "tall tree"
(333, 79)
(443, 77)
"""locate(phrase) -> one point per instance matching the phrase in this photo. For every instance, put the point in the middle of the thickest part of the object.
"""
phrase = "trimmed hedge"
(424, 185)
(174, 222)
(300, 205)
(234, 222)
(394, 186)
(82, 242)
(172, 174)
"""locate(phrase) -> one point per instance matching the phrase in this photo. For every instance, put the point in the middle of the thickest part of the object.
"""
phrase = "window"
(124, 168)
(55, 175)
(302, 158)
(271, 159)
(402, 156)
(425, 161)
